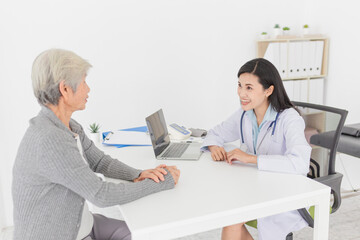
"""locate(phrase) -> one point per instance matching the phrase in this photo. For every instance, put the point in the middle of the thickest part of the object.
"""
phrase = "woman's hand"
(175, 173)
(218, 153)
(156, 174)
(238, 155)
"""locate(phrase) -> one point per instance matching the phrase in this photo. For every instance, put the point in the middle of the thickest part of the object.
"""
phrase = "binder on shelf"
(269, 52)
(292, 60)
(273, 54)
(283, 61)
(304, 90)
(300, 90)
(137, 136)
(305, 59)
(298, 59)
(316, 91)
(319, 51)
(296, 87)
(311, 62)
(289, 88)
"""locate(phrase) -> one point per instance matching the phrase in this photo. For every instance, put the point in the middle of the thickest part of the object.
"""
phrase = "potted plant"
(95, 135)
(263, 35)
(277, 30)
(286, 30)
(306, 29)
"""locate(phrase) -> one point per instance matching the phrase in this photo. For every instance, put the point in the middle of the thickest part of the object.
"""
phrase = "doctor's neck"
(260, 112)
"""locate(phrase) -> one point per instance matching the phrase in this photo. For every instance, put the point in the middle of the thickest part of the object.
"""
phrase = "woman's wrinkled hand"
(175, 173)
(156, 174)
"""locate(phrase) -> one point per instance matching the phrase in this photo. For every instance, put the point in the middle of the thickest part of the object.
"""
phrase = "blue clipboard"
(134, 129)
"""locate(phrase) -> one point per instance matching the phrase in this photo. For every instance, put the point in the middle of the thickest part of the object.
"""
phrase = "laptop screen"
(158, 131)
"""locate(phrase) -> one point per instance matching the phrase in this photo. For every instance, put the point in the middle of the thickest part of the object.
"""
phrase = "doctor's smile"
(244, 102)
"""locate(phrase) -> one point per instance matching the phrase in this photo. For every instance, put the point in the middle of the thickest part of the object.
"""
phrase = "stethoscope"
(273, 123)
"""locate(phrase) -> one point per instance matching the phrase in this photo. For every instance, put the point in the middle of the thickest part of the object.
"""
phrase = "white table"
(211, 195)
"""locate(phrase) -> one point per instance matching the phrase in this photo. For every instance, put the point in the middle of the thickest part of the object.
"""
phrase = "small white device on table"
(178, 133)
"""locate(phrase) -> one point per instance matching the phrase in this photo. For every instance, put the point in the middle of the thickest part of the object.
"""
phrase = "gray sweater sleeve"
(63, 164)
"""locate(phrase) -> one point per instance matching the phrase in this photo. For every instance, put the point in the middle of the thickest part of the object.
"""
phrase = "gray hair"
(53, 66)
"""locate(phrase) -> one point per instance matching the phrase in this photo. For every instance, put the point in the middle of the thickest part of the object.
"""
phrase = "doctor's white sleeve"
(227, 131)
(296, 158)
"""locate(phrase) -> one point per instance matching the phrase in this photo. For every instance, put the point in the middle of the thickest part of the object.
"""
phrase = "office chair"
(328, 122)
(323, 126)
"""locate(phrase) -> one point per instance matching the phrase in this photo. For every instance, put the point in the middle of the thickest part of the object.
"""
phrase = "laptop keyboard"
(175, 150)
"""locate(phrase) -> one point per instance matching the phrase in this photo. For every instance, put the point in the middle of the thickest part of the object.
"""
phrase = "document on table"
(127, 138)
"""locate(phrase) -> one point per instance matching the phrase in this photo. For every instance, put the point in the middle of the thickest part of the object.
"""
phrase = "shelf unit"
(263, 44)
(299, 88)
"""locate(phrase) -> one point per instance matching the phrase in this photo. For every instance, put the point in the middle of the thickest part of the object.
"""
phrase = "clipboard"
(135, 139)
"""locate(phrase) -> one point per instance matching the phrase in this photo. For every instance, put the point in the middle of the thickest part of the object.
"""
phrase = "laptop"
(163, 148)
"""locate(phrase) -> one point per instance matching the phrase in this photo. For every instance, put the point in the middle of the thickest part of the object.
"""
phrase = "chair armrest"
(334, 182)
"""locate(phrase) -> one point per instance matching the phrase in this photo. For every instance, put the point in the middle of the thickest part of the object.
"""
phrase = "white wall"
(180, 55)
(2, 210)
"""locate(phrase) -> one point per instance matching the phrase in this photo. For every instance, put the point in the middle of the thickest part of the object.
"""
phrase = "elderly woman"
(54, 171)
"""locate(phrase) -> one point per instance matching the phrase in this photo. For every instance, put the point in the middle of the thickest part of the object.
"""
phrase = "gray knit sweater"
(51, 180)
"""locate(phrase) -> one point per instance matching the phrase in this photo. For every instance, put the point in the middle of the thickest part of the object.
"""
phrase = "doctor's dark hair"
(268, 75)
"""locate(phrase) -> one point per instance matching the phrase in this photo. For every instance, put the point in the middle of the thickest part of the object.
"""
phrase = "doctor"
(271, 133)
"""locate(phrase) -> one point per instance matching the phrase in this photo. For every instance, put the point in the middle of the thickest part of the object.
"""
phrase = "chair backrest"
(323, 130)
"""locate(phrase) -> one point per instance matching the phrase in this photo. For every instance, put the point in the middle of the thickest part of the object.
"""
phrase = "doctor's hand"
(175, 173)
(156, 174)
(218, 153)
(238, 155)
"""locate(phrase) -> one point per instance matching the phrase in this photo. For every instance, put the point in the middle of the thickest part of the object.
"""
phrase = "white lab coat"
(287, 151)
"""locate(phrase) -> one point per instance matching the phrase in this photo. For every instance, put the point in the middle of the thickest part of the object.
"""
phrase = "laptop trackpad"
(192, 152)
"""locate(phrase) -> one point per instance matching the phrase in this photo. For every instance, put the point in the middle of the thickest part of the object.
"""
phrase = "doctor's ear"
(269, 91)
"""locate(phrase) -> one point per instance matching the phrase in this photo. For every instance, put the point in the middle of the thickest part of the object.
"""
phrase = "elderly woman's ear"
(65, 90)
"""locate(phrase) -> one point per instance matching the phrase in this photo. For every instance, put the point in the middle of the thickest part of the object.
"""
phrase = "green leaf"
(94, 128)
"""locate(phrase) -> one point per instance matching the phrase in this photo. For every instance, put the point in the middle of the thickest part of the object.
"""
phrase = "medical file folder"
(319, 51)
(283, 60)
(316, 91)
(137, 136)
(273, 54)
(306, 59)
